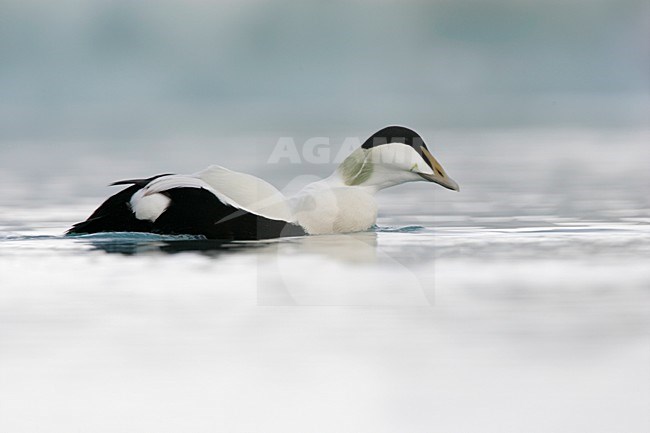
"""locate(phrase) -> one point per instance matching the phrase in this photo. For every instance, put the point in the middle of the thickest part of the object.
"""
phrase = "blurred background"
(83, 69)
(521, 303)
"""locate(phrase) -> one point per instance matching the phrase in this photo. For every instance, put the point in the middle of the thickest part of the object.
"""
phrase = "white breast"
(325, 210)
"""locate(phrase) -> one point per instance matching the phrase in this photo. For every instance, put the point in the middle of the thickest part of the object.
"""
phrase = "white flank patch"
(148, 207)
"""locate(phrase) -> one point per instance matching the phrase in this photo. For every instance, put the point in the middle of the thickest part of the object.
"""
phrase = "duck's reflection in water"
(131, 247)
(340, 269)
(352, 248)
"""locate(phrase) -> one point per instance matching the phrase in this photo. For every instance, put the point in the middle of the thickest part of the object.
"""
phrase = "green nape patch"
(355, 169)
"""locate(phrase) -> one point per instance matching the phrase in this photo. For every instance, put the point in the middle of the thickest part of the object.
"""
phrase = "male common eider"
(222, 204)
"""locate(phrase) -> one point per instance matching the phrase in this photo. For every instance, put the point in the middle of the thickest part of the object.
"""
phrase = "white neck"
(344, 201)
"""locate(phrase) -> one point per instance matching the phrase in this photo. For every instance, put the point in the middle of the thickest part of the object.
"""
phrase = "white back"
(239, 190)
(247, 192)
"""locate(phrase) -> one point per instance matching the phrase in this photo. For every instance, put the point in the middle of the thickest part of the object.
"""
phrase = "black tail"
(115, 214)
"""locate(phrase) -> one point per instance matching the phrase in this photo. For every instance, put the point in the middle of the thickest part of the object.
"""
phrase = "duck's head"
(391, 156)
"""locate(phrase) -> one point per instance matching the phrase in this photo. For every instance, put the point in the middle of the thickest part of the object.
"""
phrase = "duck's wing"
(211, 203)
(115, 214)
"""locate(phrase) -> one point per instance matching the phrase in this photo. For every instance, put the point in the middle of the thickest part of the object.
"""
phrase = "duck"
(218, 203)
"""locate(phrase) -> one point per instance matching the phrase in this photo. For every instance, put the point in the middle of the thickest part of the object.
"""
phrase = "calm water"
(520, 304)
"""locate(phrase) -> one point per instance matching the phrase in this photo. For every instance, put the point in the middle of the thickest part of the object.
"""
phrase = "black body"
(192, 211)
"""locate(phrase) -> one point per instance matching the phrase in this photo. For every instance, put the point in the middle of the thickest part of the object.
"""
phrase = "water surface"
(520, 304)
